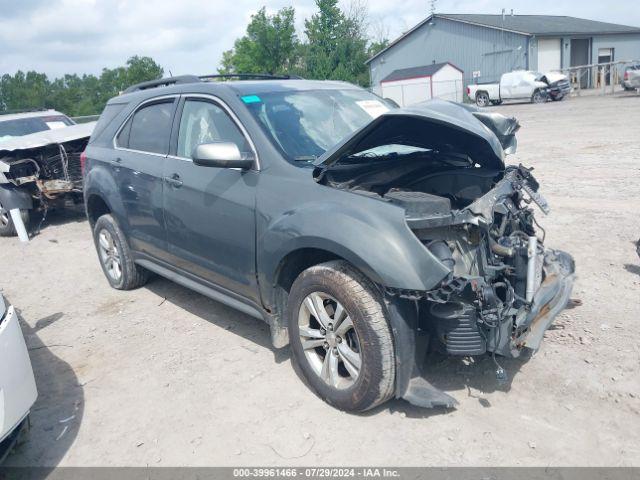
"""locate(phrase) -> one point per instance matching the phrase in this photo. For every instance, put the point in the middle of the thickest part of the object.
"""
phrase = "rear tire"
(348, 357)
(115, 256)
(482, 99)
(7, 227)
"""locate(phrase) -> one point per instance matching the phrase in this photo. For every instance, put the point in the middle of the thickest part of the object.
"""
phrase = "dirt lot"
(163, 376)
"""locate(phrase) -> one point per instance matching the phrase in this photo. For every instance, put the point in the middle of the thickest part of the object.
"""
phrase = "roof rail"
(248, 76)
(182, 79)
(162, 82)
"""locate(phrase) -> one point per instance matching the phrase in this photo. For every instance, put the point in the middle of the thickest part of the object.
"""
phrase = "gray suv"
(364, 235)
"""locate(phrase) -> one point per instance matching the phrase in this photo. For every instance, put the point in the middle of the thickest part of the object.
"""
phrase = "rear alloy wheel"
(340, 336)
(109, 256)
(482, 99)
(115, 256)
(7, 227)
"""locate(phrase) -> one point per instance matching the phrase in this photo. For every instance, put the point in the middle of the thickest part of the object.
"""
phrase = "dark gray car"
(364, 235)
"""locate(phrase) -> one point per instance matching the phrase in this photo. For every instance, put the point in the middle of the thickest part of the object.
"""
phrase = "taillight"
(468, 91)
(626, 74)
(83, 161)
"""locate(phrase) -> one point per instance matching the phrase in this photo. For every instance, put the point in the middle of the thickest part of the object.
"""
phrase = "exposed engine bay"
(474, 215)
(43, 170)
(47, 171)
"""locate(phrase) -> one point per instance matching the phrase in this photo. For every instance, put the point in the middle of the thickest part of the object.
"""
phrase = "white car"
(17, 385)
(521, 85)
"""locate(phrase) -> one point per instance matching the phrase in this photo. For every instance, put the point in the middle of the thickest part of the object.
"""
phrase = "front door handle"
(174, 180)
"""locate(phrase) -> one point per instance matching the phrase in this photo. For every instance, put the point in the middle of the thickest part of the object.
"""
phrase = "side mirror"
(221, 155)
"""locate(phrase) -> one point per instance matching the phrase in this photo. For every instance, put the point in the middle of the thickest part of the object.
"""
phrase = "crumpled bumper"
(552, 296)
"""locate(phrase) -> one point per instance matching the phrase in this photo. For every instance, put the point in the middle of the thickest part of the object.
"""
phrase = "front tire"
(538, 97)
(340, 336)
(115, 256)
(7, 227)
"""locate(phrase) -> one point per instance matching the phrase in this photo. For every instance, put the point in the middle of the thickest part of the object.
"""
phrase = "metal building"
(486, 46)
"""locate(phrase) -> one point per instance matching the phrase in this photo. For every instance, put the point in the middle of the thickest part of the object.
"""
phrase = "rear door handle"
(174, 180)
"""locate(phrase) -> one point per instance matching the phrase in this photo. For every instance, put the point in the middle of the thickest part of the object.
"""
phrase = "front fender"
(370, 234)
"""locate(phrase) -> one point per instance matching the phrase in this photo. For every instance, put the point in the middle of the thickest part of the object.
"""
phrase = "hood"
(553, 77)
(436, 124)
(47, 137)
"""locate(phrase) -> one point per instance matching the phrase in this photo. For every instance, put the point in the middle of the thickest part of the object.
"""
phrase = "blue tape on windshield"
(251, 99)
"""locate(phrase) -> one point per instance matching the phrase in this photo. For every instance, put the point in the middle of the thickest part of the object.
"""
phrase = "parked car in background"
(17, 384)
(362, 234)
(521, 85)
(19, 124)
(40, 166)
(631, 77)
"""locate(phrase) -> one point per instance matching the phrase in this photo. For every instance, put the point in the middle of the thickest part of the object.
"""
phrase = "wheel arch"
(96, 206)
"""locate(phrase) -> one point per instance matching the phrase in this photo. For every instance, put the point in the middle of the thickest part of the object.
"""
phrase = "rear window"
(108, 114)
(148, 129)
(26, 126)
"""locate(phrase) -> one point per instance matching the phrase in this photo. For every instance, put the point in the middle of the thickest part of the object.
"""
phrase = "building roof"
(542, 25)
(415, 72)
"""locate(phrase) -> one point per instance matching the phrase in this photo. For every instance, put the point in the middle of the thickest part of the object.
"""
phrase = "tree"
(72, 94)
(337, 43)
(269, 46)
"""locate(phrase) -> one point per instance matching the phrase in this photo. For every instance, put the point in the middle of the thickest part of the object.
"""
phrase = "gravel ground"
(163, 376)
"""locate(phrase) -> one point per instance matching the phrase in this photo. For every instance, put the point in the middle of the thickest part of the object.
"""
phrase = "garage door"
(548, 54)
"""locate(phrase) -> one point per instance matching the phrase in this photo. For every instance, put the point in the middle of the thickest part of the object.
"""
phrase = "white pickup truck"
(520, 85)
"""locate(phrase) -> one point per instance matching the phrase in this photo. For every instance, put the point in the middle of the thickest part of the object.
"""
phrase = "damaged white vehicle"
(17, 384)
(40, 171)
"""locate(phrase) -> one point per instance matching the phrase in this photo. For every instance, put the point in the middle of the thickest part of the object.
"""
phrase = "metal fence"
(600, 78)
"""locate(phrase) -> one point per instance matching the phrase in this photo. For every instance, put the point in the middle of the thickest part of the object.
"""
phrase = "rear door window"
(149, 129)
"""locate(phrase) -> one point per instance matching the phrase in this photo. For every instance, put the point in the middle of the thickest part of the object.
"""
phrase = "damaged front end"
(443, 164)
(42, 170)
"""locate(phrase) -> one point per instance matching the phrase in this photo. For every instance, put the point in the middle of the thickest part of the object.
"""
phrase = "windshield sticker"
(251, 99)
(56, 125)
(374, 108)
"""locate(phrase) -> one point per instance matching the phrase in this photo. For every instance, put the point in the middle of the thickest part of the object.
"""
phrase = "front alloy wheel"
(340, 336)
(539, 97)
(4, 217)
(329, 341)
(7, 227)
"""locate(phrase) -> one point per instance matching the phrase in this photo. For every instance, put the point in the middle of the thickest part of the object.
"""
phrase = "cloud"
(189, 36)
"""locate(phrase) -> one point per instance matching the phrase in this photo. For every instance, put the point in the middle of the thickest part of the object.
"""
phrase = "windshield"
(305, 124)
(26, 126)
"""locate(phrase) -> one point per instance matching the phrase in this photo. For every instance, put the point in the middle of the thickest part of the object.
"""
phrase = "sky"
(189, 36)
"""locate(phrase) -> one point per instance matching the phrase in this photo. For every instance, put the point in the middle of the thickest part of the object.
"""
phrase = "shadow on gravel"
(476, 376)
(217, 313)
(632, 268)
(58, 411)
(40, 221)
